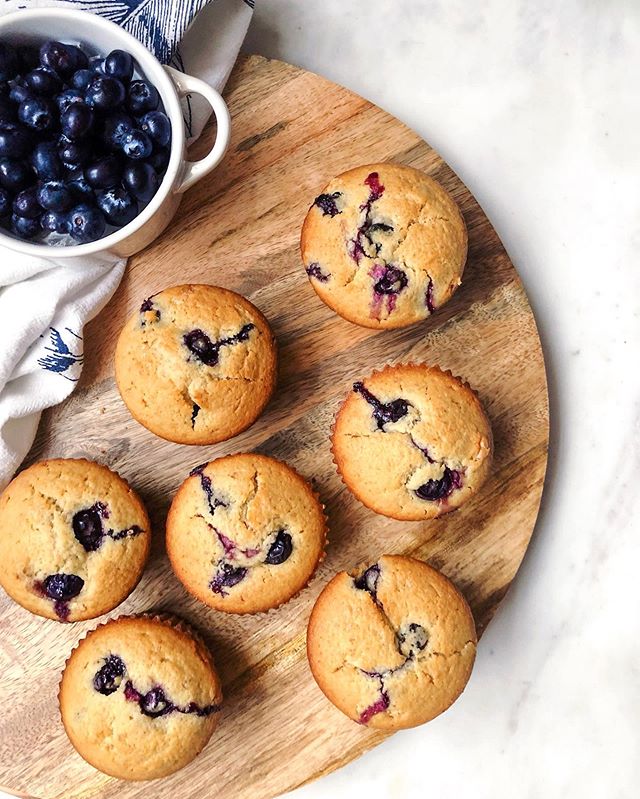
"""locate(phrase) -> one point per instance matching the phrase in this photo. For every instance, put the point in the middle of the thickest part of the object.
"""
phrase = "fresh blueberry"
(159, 159)
(67, 98)
(137, 145)
(80, 59)
(62, 58)
(6, 203)
(104, 93)
(142, 96)
(62, 587)
(7, 110)
(96, 66)
(86, 223)
(19, 91)
(73, 154)
(43, 81)
(28, 58)
(8, 61)
(434, 490)
(116, 127)
(15, 175)
(119, 64)
(105, 173)
(280, 550)
(118, 206)
(141, 180)
(24, 227)
(81, 79)
(109, 676)
(54, 222)
(15, 141)
(46, 161)
(87, 527)
(76, 121)
(54, 195)
(26, 203)
(157, 126)
(38, 113)
(81, 189)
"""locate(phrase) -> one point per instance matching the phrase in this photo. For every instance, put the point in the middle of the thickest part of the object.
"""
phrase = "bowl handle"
(194, 170)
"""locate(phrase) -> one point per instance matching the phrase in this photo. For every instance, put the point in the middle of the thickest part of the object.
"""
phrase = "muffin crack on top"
(409, 642)
(213, 501)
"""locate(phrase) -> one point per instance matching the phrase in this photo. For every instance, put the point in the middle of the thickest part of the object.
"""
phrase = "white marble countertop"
(536, 106)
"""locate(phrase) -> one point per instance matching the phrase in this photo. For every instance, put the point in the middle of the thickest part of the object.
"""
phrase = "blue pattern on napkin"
(158, 24)
(60, 357)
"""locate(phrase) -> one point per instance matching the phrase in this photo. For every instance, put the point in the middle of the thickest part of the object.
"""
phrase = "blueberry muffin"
(384, 245)
(245, 533)
(74, 539)
(196, 364)
(391, 646)
(140, 697)
(412, 442)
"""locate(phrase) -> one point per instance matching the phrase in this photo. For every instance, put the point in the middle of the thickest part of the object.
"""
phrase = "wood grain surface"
(239, 228)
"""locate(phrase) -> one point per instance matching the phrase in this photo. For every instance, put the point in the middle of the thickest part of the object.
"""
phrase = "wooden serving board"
(239, 228)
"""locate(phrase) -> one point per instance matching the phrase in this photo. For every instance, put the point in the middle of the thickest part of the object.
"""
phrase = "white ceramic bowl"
(98, 36)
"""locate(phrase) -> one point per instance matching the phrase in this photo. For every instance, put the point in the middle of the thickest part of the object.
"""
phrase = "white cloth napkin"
(44, 302)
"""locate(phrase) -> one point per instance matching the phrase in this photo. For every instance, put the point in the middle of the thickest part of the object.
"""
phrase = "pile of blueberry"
(84, 143)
